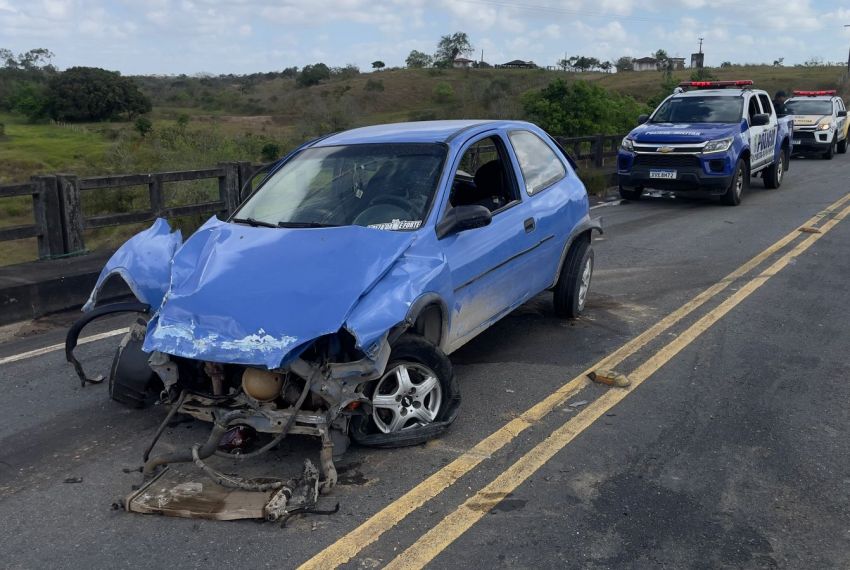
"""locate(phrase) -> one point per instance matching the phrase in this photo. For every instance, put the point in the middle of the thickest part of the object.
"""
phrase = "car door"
(484, 261)
(841, 122)
(760, 152)
(557, 202)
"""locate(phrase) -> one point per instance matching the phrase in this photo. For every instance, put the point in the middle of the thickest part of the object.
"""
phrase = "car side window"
(540, 166)
(766, 104)
(753, 109)
(484, 177)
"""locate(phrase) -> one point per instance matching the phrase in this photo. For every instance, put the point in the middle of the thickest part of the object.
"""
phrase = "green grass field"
(230, 121)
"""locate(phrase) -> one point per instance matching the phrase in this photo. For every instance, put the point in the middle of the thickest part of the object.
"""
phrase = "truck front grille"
(666, 160)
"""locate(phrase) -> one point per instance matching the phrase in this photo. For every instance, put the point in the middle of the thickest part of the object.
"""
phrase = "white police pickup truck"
(820, 123)
(708, 137)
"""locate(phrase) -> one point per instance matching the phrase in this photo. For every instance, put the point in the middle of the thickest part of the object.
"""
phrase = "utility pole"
(848, 53)
(700, 44)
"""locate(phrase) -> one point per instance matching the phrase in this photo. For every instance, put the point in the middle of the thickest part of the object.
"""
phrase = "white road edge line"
(55, 347)
(606, 204)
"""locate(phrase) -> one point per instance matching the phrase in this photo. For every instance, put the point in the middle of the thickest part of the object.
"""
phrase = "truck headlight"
(628, 144)
(721, 145)
(825, 126)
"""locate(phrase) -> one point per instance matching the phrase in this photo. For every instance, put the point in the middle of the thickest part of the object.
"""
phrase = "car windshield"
(808, 107)
(695, 109)
(385, 186)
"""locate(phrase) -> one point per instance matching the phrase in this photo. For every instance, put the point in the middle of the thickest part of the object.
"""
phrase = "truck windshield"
(696, 109)
(808, 107)
(384, 186)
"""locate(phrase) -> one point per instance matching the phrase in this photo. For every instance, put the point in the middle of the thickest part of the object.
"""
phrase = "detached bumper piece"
(175, 494)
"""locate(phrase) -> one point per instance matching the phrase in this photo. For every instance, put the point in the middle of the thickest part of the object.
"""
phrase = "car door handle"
(529, 225)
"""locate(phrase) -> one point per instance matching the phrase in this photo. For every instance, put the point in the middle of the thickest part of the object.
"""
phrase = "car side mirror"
(642, 119)
(842, 113)
(462, 218)
(761, 120)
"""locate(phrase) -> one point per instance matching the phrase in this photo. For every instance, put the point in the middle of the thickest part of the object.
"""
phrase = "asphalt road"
(730, 450)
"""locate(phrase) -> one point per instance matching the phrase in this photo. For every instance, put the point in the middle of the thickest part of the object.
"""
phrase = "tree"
(143, 125)
(313, 75)
(452, 46)
(726, 64)
(778, 62)
(418, 59)
(581, 108)
(93, 94)
(661, 55)
(606, 66)
(270, 152)
(624, 63)
(182, 121)
(378, 64)
(564, 64)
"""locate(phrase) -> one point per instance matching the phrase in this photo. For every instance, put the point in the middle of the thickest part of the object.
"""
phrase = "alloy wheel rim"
(780, 169)
(407, 396)
(739, 182)
(584, 286)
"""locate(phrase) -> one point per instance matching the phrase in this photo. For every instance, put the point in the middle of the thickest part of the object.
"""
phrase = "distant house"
(461, 62)
(518, 64)
(678, 62)
(645, 64)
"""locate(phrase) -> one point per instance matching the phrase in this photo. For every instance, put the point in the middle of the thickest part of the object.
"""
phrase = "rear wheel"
(733, 194)
(773, 175)
(416, 394)
(573, 284)
(633, 194)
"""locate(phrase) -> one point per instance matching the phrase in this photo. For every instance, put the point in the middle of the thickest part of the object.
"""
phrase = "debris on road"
(809, 230)
(610, 378)
(73, 480)
(578, 404)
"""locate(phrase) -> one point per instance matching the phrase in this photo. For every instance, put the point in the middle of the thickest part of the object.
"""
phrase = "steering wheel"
(380, 214)
(398, 201)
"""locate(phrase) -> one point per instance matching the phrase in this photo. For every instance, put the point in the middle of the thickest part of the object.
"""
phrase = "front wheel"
(414, 400)
(627, 194)
(573, 284)
(773, 175)
(842, 146)
(739, 182)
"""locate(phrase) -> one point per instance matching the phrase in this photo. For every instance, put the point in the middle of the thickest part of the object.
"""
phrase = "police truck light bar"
(814, 93)
(715, 84)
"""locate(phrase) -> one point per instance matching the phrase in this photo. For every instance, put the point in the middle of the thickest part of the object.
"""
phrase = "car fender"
(585, 224)
(144, 263)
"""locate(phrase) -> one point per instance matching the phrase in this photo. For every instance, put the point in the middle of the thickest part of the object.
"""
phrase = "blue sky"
(243, 36)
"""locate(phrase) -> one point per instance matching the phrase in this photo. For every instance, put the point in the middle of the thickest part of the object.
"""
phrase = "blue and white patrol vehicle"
(820, 123)
(708, 137)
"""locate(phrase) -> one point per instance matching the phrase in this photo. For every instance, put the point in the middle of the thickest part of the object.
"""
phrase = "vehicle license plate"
(796, 141)
(664, 174)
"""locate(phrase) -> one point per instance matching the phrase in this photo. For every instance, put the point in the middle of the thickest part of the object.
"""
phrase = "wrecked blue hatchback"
(328, 302)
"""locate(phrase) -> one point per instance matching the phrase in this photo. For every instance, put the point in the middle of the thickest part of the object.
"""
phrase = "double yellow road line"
(449, 529)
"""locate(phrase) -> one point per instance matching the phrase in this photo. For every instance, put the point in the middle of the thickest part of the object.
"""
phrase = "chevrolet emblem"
(666, 149)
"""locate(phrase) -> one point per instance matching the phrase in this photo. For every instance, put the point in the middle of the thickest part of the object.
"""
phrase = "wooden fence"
(59, 221)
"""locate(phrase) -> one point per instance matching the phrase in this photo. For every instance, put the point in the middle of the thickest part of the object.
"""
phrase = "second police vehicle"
(820, 123)
(708, 136)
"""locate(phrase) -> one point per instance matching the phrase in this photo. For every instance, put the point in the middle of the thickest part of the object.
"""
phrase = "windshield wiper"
(305, 225)
(253, 223)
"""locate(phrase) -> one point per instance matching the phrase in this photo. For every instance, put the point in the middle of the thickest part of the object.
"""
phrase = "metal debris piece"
(610, 378)
(73, 480)
(809, 230)
(578, 404)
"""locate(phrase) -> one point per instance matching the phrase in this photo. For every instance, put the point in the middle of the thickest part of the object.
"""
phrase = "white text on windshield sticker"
(397, 225)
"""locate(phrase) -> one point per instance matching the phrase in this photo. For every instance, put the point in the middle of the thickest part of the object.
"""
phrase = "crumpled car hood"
(253, 296)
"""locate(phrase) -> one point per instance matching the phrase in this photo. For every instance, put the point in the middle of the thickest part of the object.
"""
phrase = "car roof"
(415, 132)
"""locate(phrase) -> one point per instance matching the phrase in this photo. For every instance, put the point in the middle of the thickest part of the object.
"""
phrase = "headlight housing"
(628, 144)
(824, 125)
(721, 145)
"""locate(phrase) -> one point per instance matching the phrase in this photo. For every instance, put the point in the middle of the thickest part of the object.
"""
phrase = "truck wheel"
(842, 146)
(415, 399)
(739, 183)
(573, 284)
(828, 154)
(773, 175)
(630, 194)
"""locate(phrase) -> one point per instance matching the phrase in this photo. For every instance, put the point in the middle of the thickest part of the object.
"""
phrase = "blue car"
(328, 302)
